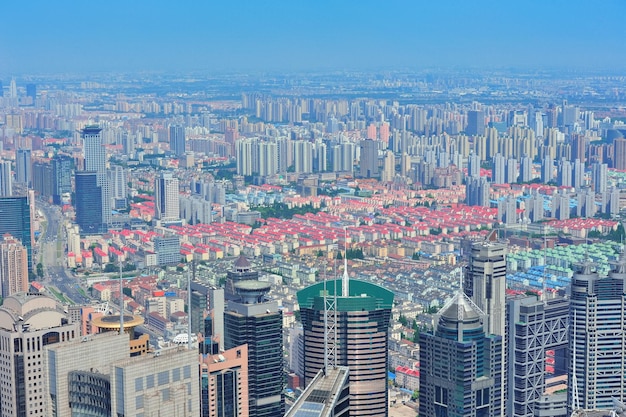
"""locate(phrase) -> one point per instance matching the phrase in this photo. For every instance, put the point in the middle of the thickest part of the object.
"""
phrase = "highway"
(52, 256)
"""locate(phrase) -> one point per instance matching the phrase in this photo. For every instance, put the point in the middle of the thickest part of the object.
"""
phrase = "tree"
(127, 292)
(339, 256)
(40, 270)
(320, 253)
(110, 267)
(403, 321)
(416, 256)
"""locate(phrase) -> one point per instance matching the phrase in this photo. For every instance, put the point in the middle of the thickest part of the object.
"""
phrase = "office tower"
(224, 383)
(211, 313)
(477, 192)
(578, 174)
(167, 250)
(597, 337)
(88, 203)
(29, 323)
(31, 91)
(165, 383)
(475, 123)
(257, 322)
(547, 170)
(537, 348)
(82, 387)
(95, 160)
(166, 198)
(368, 165)
(6, 179)
(564, 174)
(511, 171)
(327, 395)
(15, 219)
(358, 338)
(177, 140)
(526, 169)
(461, 366)
(619, 154)
(599, 177)
(498, 171)
(24, 167)
(13, 266)
(61, 178)
(473, 165)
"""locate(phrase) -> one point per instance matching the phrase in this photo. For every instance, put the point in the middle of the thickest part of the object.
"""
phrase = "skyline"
(69, 36)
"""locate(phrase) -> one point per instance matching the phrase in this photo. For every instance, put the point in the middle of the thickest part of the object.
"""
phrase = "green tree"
(403, 321)
(110, 267)
(40, 270)
(416, 256)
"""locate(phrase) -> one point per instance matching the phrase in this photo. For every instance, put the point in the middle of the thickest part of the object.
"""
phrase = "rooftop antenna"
(345, 281)
(121, 300)
(330, 327)
(188, 309)
(575, 399)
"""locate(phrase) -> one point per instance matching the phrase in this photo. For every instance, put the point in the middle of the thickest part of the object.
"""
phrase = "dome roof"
(242, 263)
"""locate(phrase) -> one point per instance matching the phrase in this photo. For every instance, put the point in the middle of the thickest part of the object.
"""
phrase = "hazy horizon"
(284, 36)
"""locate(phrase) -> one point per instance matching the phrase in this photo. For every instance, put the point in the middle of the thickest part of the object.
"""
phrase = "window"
(138, 384)
(164, 377)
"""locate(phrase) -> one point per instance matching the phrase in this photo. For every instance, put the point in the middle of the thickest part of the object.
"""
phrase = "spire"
(345, 280)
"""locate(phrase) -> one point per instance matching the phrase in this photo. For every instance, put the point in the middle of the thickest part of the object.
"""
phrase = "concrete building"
(24, 167)
(177, 140)
(29, 323)
(6, 179)
(13, 266)
(166, 206)
(368, 159)
(95, 160)
(224, 383)
(327, 395)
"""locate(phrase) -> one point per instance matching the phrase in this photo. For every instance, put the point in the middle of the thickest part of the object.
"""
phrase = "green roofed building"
(357, 338)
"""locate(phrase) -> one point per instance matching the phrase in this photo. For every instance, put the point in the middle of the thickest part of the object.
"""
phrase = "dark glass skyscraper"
(62, 177)
(15, 219)
(257, 322)
(177, 140)
(88, 200)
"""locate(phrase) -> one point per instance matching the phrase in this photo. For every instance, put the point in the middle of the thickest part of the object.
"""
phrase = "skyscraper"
(537, 333)
(31, 91)
(327, 395)
(95, 160)
(498, 170)
(461, 365)
(597, 338)
(369, 159)
(599, 177)
(28, 323)
(619, 154)
(61, 178)
(166, 198)
(224, 383)
(6, 179)
(358, 338)
(473, 165)
(13, 266)
(15, 219)
(177, 140)
(24, 167)
(526, 169)
(88, 202)
(475, 123)
(257, 322)
(477, 192)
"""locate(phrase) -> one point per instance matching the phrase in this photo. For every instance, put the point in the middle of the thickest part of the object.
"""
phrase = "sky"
(43, 36)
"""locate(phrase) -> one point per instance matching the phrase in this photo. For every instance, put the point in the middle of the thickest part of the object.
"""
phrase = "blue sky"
(38, 36)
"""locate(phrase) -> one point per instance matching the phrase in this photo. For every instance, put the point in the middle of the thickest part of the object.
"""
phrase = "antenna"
(345, 282)
(121, 300)
(188, 309)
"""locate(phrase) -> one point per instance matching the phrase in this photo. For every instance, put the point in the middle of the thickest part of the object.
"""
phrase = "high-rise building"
(526, 169)
(498, 170)
(327, 395)
(28, 324)
(473, 165)
(13, 89)
(167, 250)
(118, 187)
(578, 174)
(547, 170)
(461, 366)
(24, 167)
(619, 154)
(477, 192)
(257, 322)
(475, 123)
(177, 140)
(369, 159)
(512, 171)
(224, 383)
(537, 349)
(95, 160)
(88, 203)
(61, 178)
(31, 91)
(166, 198)
(15, 219)
(13, 266)
(357, 338)
(42, 179)
(599, 177)
(6, 179)
(597, 337)
(564, 173)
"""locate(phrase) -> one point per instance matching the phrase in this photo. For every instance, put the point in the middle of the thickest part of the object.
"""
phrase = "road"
(52, 257)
